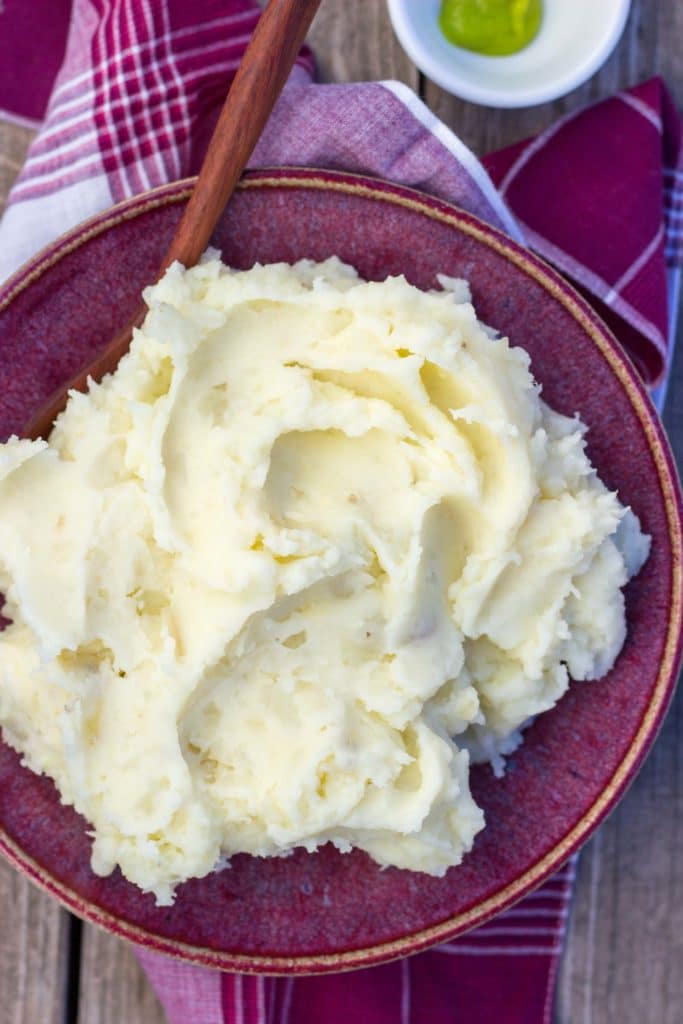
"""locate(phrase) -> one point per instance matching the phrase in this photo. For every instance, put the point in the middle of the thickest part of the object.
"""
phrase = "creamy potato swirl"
(313, 546)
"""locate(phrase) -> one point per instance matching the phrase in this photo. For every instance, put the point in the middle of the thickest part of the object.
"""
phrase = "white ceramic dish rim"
(460, 84)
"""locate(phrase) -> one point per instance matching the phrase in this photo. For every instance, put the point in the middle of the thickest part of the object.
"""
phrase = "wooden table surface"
(623, 959)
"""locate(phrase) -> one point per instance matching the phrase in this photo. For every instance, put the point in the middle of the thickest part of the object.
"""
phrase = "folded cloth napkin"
(589, 194)
(600, 194)
(503, 972)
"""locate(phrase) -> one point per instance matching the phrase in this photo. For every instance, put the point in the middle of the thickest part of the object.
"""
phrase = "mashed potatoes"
(313, 545)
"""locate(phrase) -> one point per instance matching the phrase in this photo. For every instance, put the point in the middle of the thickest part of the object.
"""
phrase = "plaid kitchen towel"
(605, 230)
(600, 194)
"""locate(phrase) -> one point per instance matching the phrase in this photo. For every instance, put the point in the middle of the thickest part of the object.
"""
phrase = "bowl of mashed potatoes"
(341, 614)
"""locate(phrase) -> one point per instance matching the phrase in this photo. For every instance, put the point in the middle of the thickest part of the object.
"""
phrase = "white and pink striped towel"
(130, 106)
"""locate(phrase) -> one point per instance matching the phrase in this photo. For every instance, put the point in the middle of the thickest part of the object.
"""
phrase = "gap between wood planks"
(73, 970)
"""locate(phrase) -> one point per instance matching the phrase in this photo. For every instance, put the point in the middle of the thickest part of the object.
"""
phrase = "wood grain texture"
(14, 141)
(33, 952)
(114, 988)
(353, 41)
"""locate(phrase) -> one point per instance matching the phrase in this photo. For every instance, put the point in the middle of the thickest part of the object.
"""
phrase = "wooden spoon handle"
(265, 67)
(269, 58)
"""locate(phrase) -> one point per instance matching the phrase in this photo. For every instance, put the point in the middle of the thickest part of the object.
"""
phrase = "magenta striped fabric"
(131, 105)
(137, 84)
(604, 230)
(502, 972)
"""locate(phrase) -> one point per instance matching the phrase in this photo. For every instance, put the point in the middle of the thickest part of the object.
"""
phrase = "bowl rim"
(459, 84)
(293, 178)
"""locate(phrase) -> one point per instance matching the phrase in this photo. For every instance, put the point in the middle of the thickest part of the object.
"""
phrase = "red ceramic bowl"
(328, 912)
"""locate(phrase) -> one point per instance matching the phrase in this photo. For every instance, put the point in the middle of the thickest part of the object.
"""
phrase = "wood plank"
(14, 141)
(353, 41)
(647, 47)
(114, 988)
(33, 952)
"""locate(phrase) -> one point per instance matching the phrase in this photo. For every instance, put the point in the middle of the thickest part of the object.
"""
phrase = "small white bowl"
(575, 38)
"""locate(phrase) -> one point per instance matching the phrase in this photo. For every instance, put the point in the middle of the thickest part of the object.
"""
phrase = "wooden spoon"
(259, 81)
